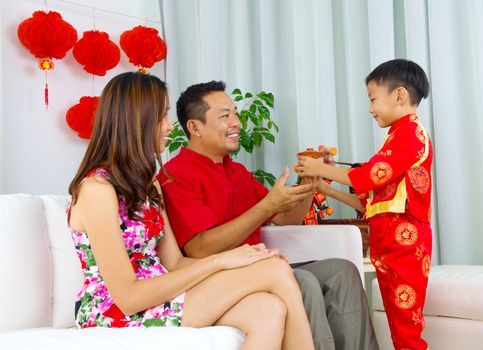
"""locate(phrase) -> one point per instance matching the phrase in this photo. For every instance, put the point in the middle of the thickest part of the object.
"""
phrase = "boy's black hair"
(401, 72)
(190, 104)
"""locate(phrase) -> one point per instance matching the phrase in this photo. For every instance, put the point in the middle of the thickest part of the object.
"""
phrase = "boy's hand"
(310, 167)
(323, 187)
(327, 156)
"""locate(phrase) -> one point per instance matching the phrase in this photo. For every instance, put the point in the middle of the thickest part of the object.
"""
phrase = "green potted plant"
(256, 126)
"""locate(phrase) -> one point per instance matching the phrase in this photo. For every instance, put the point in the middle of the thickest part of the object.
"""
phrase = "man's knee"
(335, 268)
(306, 281)
(346, 267)
(311, 291)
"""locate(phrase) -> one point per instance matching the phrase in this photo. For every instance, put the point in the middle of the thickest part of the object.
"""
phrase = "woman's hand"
(247, 255)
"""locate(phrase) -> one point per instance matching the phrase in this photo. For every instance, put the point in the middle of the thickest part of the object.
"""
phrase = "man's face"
(383, 104)
(221, 131)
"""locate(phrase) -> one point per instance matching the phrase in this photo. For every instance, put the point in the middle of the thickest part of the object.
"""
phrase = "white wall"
(39, 153)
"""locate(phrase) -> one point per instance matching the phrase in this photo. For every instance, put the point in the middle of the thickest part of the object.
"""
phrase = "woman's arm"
(97, 212)
(168, 252)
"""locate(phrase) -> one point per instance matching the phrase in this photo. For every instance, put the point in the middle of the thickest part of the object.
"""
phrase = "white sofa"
(453, 311)
(40, 275)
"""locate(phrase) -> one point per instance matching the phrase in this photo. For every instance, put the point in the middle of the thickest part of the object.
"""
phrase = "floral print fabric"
(97, 309)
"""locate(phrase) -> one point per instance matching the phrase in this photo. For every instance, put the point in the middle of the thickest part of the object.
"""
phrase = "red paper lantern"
(80, 117)
(46, 35)
(143, 46)
(96, 52)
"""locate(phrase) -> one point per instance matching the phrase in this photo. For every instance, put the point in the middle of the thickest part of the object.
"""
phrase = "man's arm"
(233, 233)
(229, 235)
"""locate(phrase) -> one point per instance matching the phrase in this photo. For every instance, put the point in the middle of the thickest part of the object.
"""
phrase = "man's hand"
(282, 198)
(310, 180)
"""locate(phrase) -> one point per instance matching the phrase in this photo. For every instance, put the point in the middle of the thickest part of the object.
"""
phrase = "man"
(215, 204)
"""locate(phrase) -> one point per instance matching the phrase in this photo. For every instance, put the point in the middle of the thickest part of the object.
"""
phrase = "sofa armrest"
(316, 242)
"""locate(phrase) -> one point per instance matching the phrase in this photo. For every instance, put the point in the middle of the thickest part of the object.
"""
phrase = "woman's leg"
(206, 302)
(261, 316)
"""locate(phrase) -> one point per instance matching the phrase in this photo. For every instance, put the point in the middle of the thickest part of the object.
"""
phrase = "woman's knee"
(278, 268)
(272, 305)
(270, 312)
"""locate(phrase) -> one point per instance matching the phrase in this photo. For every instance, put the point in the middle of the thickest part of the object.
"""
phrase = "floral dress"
(97, 309)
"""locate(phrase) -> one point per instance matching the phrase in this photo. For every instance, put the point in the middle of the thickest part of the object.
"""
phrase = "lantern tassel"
(46, 96)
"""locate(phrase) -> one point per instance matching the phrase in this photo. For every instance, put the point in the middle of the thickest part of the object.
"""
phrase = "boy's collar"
(405, 119)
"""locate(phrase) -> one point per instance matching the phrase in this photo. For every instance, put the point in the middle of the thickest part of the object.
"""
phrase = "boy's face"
(383, 106)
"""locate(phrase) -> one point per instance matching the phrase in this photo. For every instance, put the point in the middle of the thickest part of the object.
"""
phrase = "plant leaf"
(269, 137)
(268, 99)
(253, 108)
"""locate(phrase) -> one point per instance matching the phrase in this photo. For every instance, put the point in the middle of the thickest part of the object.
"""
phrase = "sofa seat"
(179, 338)
(41, 275)
(453, 310)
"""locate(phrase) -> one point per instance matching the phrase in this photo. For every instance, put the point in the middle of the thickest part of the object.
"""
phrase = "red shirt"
(397, 179)
(205, 194)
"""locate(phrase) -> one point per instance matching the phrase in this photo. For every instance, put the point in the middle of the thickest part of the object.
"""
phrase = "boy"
(394, 186)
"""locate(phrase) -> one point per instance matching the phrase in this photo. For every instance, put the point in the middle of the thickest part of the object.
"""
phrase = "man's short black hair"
(401, 72)
(191, 105)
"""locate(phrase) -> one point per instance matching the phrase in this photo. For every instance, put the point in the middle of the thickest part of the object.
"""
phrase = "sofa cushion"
(441, 333)
(179, 338)
(26, 273)
(453, 291)
(316, 242)
(67, 272)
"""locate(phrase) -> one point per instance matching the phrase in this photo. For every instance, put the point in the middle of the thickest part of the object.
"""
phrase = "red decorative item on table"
(47, 36)
(143, 46)
(96, 52)
(319, 210)
(80, 117)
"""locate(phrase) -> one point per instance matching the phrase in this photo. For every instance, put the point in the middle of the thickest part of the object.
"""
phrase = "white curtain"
(313, 55)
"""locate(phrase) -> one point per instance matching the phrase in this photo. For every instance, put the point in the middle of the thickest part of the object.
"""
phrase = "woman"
(126, 246)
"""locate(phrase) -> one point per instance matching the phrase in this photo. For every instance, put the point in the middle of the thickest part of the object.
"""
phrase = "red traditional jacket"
(397, 179)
